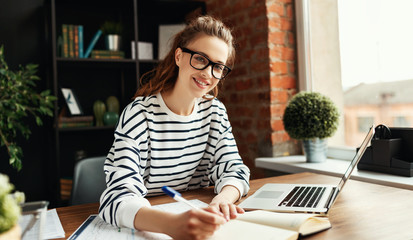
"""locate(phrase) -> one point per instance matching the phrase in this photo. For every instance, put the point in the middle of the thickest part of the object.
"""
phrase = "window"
(364, 123)
(361, 59)
(401, 121)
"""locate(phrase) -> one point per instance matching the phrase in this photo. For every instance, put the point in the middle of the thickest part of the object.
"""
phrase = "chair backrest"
(88, 180)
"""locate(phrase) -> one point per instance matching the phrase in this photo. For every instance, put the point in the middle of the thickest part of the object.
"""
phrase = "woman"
(176, 134)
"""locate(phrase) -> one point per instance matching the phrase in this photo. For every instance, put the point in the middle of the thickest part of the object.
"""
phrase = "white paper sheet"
(52, 227)
(95, 228)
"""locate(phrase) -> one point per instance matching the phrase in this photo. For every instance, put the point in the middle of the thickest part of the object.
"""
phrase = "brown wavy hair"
(165, 74)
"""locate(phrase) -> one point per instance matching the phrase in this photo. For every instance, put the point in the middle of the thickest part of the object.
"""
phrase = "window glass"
(376, 49)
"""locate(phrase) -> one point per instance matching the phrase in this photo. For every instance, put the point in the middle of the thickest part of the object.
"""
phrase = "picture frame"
(72, 102)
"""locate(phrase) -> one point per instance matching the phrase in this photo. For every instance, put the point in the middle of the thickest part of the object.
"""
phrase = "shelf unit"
(97, 79)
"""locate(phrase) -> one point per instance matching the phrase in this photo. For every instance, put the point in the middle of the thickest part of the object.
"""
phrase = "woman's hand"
(224, 203)
(194, 224)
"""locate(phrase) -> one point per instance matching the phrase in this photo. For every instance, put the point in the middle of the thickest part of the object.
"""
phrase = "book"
(80, 31)
(108, 54)
(71, 41)
(261, 224)
(65, 35)
(87, 118)
(76, 121)
(92, 43)
(76, 41)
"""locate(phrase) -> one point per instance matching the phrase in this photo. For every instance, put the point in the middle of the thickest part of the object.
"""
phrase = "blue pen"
(177, 196)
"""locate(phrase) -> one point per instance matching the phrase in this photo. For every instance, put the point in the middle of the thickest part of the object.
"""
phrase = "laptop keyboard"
(303, 197)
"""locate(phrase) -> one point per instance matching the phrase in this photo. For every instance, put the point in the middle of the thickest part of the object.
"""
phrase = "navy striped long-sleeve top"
(155, 147)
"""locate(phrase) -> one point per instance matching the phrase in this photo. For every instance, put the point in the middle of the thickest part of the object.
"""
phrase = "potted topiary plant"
(312, 118)
(112, 31)
(18, 99)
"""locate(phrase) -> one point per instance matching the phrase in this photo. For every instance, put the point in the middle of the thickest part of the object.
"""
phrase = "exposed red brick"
(276, 37)
(243, 85)
(264, 75)
(276, 8)
(286, 24)
(284, 82)
(279, 137)
(279, 96)
(277, 110)
(277, 125)
(279, 67)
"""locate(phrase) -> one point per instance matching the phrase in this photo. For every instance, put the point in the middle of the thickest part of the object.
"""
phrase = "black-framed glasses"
(199, 61)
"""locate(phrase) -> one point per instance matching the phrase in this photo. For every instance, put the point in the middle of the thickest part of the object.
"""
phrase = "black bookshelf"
(97, 79)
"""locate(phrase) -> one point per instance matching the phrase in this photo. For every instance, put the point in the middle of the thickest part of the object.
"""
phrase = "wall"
(264, 77)
(325, 57)
(22, 33)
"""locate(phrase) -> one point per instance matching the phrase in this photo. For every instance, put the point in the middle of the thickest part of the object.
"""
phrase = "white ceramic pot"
(315, 150)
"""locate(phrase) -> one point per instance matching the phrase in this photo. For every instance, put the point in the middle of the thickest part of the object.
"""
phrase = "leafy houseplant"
(311, 117)
(18, 99)
(110, 27)
(10, 210)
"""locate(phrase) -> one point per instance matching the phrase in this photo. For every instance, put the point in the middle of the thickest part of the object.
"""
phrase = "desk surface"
(362, 211)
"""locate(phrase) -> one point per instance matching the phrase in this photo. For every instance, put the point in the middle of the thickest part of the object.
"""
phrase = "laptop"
(303, 198)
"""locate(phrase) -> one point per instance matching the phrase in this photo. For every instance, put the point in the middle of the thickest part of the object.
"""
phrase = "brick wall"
(264, 77)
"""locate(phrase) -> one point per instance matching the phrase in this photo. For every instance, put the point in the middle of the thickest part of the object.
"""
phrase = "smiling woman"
(176, 133)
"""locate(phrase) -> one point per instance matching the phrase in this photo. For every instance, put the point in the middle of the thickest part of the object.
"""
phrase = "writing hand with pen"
(202, 223)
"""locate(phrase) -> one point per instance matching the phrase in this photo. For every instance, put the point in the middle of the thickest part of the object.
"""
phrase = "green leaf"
(39, 121)
(19, 98)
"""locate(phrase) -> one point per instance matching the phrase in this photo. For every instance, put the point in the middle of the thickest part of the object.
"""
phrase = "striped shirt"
(155, 147)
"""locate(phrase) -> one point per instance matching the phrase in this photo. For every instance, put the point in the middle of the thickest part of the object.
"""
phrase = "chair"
(88, 180)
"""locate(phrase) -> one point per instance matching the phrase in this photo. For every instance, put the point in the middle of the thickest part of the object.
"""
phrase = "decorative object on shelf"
(112, 104)
(145, 50)
(165, 34)
(19, 98)
(312, 118)
(72, 101)
(112, 31)
(10, 210)
(111, 117)
(99, 110)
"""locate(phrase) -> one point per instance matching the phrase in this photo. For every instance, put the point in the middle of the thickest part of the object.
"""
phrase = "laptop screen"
(357, 157)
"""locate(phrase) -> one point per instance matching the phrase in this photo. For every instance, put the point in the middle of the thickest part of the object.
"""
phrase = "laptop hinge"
(332, 197)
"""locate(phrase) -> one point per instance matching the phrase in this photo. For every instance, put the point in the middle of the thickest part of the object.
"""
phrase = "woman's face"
(197, 83)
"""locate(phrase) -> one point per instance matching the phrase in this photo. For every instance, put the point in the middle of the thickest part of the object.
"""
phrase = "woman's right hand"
(195, 224)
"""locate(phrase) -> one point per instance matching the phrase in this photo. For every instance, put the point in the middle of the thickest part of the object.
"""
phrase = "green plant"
(9, 204)
(110, 27)
(19, 98)
(310, 115)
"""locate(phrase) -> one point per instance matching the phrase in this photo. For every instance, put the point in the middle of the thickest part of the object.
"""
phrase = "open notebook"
(251, 225)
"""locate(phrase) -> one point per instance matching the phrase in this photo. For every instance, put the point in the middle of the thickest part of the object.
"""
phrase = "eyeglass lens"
(200, 62)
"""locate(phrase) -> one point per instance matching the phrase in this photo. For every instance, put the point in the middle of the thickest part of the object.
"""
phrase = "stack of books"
(99, 54)
(72, 46)
(78, 121)
(71, 42)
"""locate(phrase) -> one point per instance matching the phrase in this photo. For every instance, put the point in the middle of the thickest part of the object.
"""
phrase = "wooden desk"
(362, 211)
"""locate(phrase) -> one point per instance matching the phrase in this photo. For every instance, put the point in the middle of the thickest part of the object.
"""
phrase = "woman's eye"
(219, 67)
(200, 59)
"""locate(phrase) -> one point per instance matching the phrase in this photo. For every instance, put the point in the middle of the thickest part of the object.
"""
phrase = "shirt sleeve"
(125, 192)
(229, 168)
